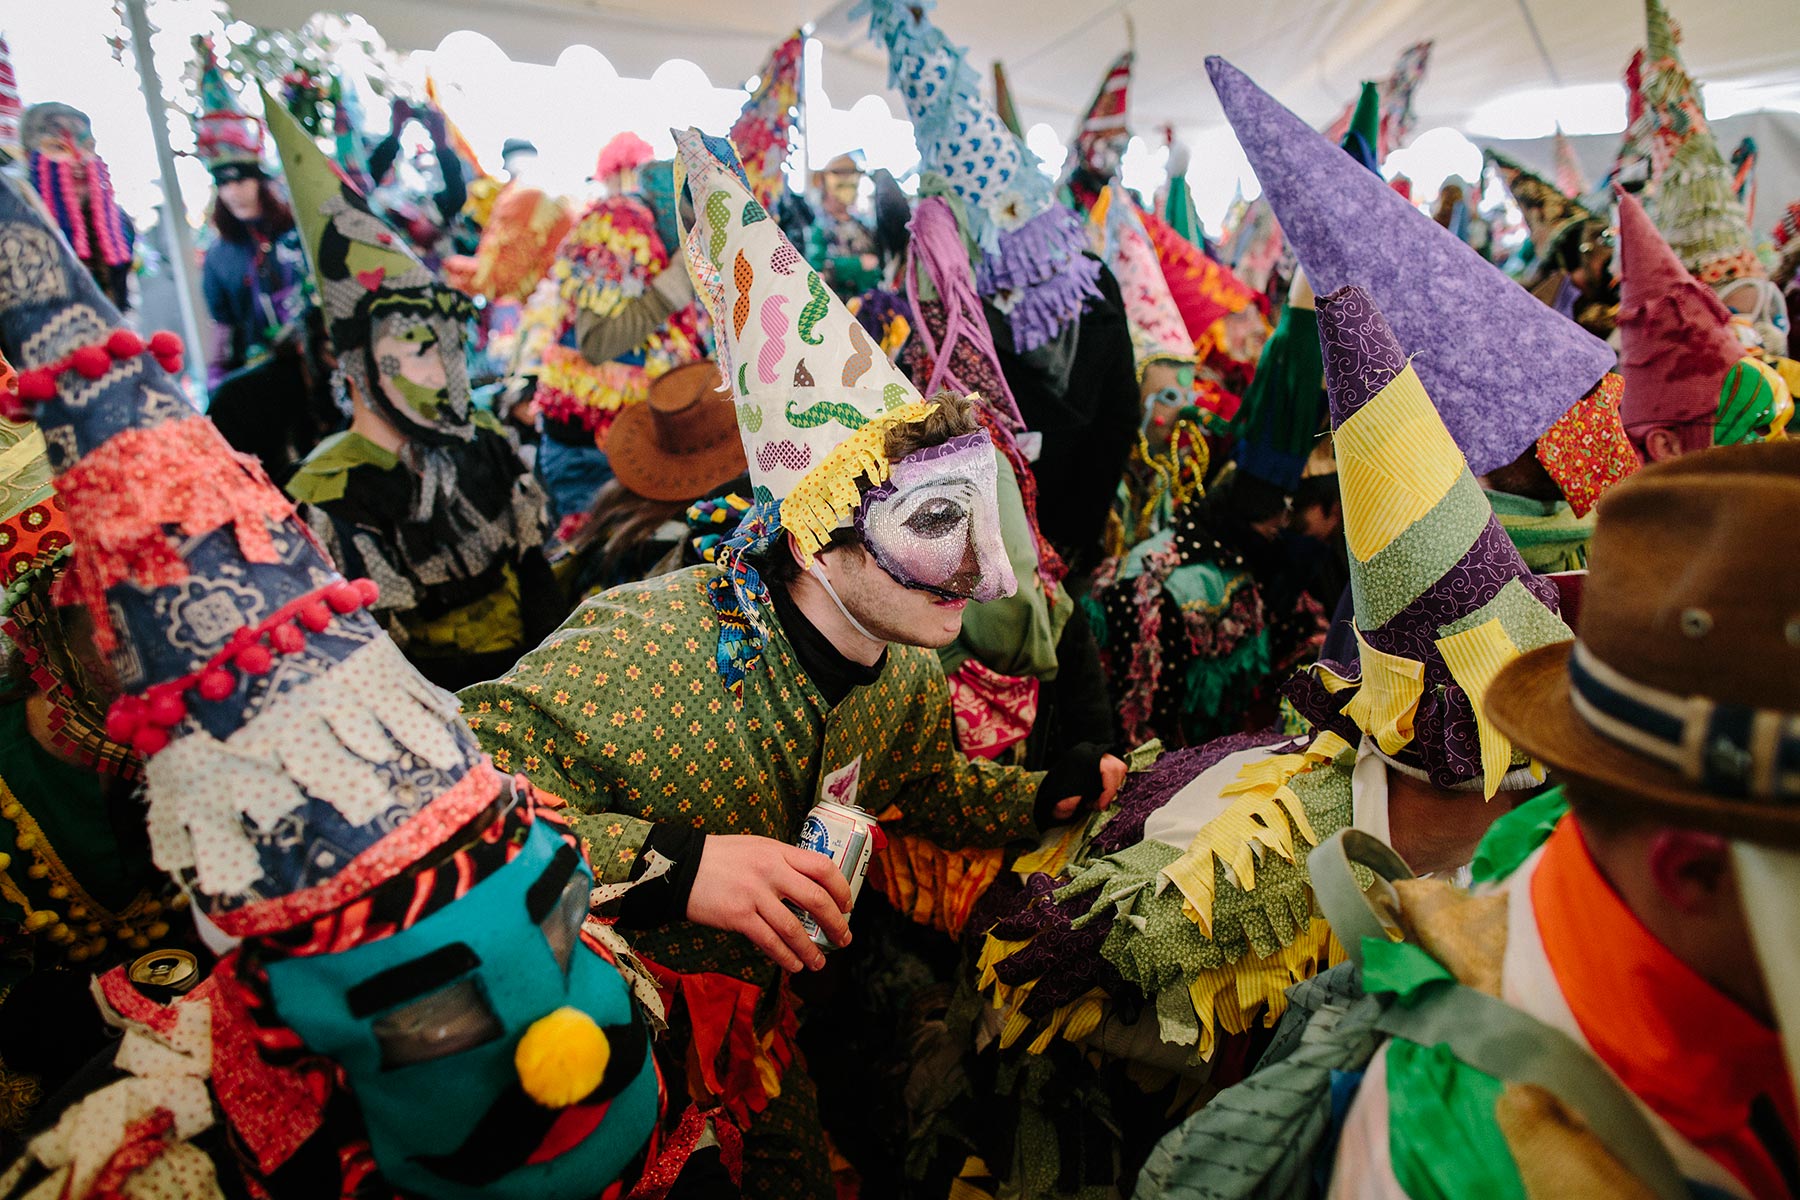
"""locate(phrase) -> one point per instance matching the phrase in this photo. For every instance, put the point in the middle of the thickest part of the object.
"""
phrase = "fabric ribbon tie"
(1730, 749)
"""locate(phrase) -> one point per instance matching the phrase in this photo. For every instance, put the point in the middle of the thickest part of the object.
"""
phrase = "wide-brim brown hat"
(682, 441)
(1680, 697)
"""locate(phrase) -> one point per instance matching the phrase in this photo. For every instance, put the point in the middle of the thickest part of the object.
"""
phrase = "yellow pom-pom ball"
(562, 1058)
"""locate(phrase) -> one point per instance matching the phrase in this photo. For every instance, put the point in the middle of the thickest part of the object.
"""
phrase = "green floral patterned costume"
(623, 713)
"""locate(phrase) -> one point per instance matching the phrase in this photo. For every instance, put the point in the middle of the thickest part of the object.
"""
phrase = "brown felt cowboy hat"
(682, 441)
(1680, 696)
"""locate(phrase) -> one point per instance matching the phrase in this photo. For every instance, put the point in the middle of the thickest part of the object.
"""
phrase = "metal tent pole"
(175, 227)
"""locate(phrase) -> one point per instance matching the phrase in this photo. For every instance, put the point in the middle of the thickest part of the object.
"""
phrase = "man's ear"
(1691, 870)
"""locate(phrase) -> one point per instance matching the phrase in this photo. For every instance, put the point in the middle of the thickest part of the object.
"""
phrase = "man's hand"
(1112, 778)
(743, 881)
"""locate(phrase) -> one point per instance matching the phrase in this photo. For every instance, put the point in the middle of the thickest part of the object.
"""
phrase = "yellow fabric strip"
(1395, 462)
(1228, 999)
(1232, 839)
(827, 495)
(1474, 657)
(1388, 699)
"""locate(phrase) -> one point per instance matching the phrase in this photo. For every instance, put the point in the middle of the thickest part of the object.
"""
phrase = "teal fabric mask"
(425, 1023)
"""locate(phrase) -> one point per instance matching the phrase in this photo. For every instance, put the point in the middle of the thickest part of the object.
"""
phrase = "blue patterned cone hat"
(295, 760)
(1031, 264)
(1442, 598)
(1500, 366)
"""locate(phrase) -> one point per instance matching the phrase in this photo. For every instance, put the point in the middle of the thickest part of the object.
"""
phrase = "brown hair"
(277, 218)
(619, 522)
(954, 417)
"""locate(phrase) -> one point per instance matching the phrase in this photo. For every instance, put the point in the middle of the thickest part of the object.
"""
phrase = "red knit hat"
(1676, 334)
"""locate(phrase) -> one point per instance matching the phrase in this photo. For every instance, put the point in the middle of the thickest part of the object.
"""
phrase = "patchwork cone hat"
(1105, 130)
(1158, 334)
(1485, 346)
(364, 269)
(1442, 598)
(1547, 208)
(1693, 190)
(1682, 359)
(760, 134)
(313, 793)
(294, 758)
(815, 396)
(225, 136)
(1031, 263)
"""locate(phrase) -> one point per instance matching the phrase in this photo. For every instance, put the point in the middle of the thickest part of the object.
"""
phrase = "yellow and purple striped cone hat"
(1443, 600)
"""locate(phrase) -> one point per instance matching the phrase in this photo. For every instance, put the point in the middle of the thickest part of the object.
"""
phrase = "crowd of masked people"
(1315, 709)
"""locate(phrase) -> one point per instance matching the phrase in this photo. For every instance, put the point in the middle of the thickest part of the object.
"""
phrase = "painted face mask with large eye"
(421, 375)
(935, 524)
(426, 1023)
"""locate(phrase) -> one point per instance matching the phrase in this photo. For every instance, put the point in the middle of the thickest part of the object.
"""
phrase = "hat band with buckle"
(1730, 749)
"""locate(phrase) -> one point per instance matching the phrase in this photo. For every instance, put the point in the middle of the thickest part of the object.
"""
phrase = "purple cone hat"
(1500, 366)
(1443, 599)
(295, 760)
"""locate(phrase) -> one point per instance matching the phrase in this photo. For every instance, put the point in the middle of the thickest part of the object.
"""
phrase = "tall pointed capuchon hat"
(1362, 140)
(1106, 130)
(10, 107)
(1500, 366)
(1442, 598)
(1031, 265)
(226, 138)
(1546, 207)
(1003, 101)
(1682, 358)
(364, 270)
(359, 262)
(295, 760)
(760, 134)
(1158, 333)
(1692, 193)
(815, 396)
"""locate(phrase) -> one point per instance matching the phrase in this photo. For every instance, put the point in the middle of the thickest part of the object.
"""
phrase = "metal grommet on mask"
(1696, 622)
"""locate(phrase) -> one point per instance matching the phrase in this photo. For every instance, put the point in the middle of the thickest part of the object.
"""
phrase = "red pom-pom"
(13, 408)
(287, 638)
(91, 362)
(255, 660)
(315, 616)
(216, 683)
(123, 718)
(167, 709)
(343, 598)
(164, 343)
(149, 739)
(123, 343)
(37, 385)
(369, 590)
(170, 363)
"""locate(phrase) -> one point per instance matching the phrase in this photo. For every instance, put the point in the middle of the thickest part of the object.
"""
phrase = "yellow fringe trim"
(1266, 813)
(1228, 999)
(1388, 697)
(827, 495)
(1474, 657)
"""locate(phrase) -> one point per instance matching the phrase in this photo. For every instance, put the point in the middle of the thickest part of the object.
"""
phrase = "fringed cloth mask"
(491, 1041)
(410, 364)
(935, 524)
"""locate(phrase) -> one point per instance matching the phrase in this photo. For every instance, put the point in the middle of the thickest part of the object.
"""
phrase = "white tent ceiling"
(1310, 53)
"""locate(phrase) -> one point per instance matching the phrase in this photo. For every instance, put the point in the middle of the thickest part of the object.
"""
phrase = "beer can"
(847, 836)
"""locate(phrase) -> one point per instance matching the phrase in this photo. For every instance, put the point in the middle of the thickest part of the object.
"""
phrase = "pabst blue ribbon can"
(847, 836)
